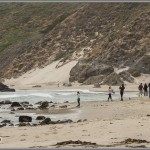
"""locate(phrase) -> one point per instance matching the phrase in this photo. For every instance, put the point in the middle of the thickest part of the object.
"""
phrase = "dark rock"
(5, 88)
(2, 103)
(25, 119)
(50, 102)
(66, 102)
(46, 121)
(2, 125)
(40, 117)
(6, 121)
(79, 120)
(15, 104)
(84, 120)
(21, 124)
(20, 108)
(44, 105)
(12, 109)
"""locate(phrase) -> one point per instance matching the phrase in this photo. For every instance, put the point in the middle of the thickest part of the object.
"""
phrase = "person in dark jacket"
(149, 89)
(140, 89)
(145, 90)
(122, 87)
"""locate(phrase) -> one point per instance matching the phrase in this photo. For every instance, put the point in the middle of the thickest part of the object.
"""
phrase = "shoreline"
(108, 123)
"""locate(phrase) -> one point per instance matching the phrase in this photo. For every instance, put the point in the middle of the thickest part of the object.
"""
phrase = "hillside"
(102, 37)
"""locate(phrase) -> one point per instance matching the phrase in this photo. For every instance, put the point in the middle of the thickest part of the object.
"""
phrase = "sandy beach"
(109, 124)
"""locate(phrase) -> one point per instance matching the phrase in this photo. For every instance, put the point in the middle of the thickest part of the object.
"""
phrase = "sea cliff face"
(100, 36)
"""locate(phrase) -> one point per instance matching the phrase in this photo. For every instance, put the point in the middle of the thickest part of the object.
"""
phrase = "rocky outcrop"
(25, 119)
(5, 88)
(126, 76)
(113, 79)
(84, 71)
(46, 121)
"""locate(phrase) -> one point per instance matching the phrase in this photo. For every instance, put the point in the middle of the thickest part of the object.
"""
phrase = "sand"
(108, 124)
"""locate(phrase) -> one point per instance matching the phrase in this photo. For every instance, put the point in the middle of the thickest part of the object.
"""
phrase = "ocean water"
(58, 96)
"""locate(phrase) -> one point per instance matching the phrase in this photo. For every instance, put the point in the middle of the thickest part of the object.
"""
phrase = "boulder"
(25, 119)
(6, 121)
(5, 88)
(66, 121)
(7, 102)
(40, 117)
(44, 105)
(2, 125)
(15, 104)
(46, 121)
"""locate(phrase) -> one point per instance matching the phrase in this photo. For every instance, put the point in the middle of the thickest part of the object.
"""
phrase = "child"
(110, 91)
(78, 99)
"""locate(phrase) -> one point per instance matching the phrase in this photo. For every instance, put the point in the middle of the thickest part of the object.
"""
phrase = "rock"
(15, 104)
(6, 121)
(126, 76)
(25, 119)
(5, 88)
(40, 117)
(12, 109)
(46, 121)
(38, 103)
(50, 102)
(94, 80)
(52, 106)
(64, 106)
(66, 102)
(2, 125)
(113, 79)
(66, 121)
(84, 70)
(25, 103)
(20, 108)
(79, 120)
(44, 105)
(23, 124)
(67, 84)
(2, 103)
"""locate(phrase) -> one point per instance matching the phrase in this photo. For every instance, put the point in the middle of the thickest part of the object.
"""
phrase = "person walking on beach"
(78, 99)
(149, 89)
(122, 87)
(110, 91)
(145, 90)
(140, 89)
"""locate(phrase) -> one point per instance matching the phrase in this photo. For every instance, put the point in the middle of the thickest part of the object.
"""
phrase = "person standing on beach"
(145, 90)
(121, 91)
(110, 91)
(149, 89)
(140, 89)
(78, 99)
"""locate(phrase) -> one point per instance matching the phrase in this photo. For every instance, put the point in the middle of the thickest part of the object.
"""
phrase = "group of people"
(143, 90)
(110, 92)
